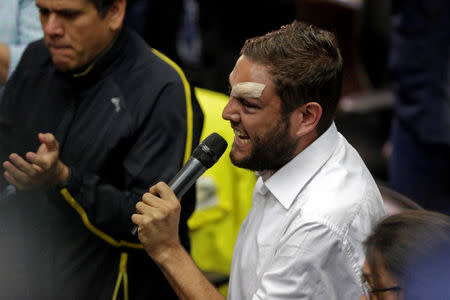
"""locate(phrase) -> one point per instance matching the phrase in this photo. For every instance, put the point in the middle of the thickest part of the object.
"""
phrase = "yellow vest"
(224, 195)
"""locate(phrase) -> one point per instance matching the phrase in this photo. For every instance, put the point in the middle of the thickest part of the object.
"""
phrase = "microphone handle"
(184, 179)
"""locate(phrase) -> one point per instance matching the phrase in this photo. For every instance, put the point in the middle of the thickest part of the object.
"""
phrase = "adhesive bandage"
(247, 90)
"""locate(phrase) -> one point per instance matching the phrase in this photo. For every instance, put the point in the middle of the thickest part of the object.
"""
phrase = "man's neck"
(87, 68)
(303, 143)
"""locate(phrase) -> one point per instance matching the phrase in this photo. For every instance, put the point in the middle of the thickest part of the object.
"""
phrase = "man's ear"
(305, 118)
(116, 14)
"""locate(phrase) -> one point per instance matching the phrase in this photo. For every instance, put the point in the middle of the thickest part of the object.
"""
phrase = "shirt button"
(263, 190)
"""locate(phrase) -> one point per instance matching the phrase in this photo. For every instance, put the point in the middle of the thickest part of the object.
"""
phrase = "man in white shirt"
(314, 203)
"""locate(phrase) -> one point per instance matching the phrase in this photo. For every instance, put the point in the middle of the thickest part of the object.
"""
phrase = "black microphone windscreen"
(210, 150)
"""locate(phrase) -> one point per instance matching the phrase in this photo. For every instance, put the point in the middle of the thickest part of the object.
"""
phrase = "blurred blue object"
(8, 193)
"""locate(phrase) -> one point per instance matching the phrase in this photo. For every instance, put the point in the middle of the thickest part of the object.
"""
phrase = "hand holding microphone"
(158, 213)
(157, 216)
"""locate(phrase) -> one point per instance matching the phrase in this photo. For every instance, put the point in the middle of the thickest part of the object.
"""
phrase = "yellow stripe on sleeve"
(189, 113)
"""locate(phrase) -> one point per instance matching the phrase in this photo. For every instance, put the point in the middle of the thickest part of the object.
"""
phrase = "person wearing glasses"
(404, 254)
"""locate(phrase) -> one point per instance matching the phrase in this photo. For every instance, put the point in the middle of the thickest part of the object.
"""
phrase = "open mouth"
(240, 138)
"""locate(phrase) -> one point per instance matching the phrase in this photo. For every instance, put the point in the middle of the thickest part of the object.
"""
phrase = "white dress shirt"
(303, 237)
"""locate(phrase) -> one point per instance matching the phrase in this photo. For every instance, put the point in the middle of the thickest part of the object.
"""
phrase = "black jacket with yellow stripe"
(127, 121)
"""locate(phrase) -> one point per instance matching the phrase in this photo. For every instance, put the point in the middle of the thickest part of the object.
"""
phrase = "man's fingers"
(153, 212)
(159, 197)
(163, 191)
(143, 220)
(22, 165)
(39, 162)
(16, 173)
(38, 169)
(13, 181)
(137, 219)
(151, 200)
(140, 221)
(143, 208)
(49, 140)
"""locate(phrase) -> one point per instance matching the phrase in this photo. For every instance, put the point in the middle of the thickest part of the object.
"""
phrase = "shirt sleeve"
(314, 262)
(155, 153)
(29, 29)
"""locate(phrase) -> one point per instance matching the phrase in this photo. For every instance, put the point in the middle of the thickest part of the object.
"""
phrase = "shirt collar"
(287, 182)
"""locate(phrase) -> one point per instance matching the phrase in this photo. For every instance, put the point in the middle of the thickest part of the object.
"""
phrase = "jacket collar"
(102, 64)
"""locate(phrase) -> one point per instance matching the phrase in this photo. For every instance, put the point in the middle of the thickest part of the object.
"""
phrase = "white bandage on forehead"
(247, 90)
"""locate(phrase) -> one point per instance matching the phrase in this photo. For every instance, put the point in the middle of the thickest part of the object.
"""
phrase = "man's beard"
(271, 151)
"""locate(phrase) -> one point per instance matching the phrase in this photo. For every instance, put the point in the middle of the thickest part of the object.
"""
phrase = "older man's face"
(74, 31)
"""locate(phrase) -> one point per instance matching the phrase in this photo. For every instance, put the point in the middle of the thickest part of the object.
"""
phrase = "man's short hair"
(401, 242)
(305, 64)
(102, 6)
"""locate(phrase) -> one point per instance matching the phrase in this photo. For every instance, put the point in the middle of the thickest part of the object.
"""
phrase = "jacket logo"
(116, 102)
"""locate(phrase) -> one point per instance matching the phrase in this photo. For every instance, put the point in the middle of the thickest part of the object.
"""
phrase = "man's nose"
(53, 26)
(231, 112)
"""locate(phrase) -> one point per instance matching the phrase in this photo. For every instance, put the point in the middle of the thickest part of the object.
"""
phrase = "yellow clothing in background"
(224, 195)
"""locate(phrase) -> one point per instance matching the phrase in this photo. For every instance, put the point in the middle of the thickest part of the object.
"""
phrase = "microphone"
(204, 156)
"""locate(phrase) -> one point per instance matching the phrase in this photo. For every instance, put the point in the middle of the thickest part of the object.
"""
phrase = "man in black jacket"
(90, 119)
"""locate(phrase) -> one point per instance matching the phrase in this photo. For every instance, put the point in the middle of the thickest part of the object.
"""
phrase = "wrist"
(163, 255)
(63, 175)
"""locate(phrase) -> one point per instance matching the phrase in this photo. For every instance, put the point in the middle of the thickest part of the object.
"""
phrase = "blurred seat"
(367, 101)
(395, 202)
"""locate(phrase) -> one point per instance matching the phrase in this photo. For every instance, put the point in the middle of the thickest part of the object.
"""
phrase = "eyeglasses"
(370, 290)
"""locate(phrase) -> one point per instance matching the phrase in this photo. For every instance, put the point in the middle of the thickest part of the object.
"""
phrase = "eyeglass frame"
(370, 290)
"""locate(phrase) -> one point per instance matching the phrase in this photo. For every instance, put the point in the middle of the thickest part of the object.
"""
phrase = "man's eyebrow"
(61, 10)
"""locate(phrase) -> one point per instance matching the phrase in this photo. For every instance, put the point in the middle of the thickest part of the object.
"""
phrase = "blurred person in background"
(90, 118)
(19, 25)
(157, 22)
(407, 257)
(420, 136)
